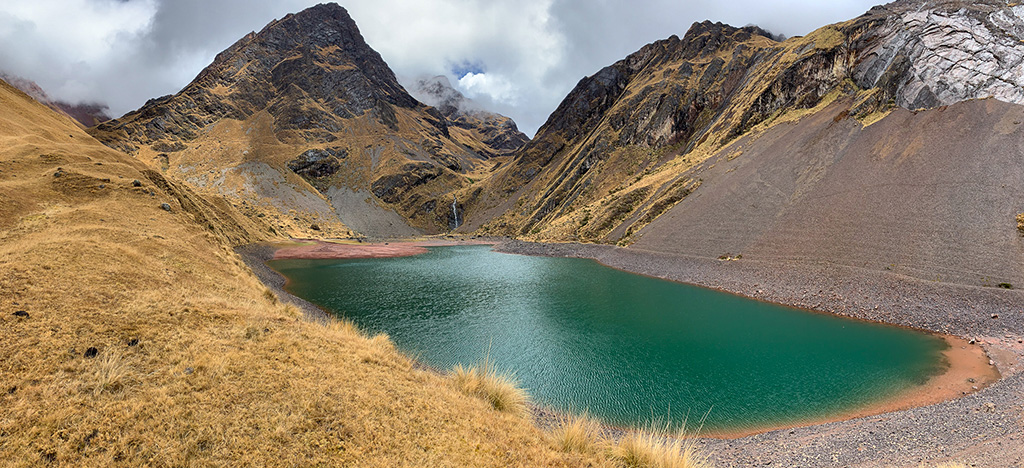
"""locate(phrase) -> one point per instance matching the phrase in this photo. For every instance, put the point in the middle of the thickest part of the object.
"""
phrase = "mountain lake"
(627, 349)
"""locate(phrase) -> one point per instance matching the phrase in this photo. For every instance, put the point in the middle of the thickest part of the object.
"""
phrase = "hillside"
(87, 114)
(929, 194)
(863, 143)
(305, 125)
(134, 335)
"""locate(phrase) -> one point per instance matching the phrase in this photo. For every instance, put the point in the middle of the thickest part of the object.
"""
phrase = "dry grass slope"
(649, 449)
(134, 336)
(579, 434)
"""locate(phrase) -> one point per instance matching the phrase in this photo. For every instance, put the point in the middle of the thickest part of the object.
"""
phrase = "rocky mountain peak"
(310, 70)
(584, 107)
(320, 52)
(499, 134)
(438, 92)
(723, 32)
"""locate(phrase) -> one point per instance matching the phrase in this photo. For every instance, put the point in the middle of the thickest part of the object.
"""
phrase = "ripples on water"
(626, 348)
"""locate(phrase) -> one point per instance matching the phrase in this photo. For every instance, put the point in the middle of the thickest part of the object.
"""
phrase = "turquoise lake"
(627, 349)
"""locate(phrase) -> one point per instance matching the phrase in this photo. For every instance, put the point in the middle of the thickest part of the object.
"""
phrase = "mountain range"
(880, 159)
(884, 141)
(890, 141)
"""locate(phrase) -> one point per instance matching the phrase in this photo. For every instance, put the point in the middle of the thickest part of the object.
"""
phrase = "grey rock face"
(940, 53)
(318, 162)
(390, 188)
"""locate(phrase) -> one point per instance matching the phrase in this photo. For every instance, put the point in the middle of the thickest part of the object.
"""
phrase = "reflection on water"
(625, 348)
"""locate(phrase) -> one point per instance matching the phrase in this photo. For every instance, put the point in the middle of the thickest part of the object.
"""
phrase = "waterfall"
(455, 212)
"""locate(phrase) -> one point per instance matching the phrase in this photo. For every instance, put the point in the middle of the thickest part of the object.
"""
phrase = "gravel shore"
(256, 257)
(985, 428)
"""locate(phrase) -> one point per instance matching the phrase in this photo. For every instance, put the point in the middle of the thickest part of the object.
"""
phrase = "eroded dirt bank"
(983, 428)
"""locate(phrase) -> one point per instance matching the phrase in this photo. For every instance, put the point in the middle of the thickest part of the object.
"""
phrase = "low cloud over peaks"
(515, 57)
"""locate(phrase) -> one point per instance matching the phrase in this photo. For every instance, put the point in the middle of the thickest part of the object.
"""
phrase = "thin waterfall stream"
(455, 212)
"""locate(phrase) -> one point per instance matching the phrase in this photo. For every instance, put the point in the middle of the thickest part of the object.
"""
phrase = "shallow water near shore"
(627, 349)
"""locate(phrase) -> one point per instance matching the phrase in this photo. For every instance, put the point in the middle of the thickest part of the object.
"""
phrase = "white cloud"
(524, 56)
(516, 46)
(489, 86)
(89, 27)
(61, 44)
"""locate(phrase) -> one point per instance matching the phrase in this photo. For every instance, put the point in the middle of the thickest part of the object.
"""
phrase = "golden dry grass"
(111, 372)
(579, 434)
(196, 364)
(649, 448)
(498, 389)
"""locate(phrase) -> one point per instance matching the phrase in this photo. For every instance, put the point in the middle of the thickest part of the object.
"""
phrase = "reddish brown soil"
(319, 249)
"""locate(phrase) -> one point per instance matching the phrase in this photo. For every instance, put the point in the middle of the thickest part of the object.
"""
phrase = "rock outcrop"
(624, 120)
(942, 52)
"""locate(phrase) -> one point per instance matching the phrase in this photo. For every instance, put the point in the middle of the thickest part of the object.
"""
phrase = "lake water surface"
(626, 348)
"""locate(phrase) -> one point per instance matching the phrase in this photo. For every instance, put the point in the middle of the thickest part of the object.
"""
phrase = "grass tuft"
(292, 311)
(344, 327)
(578, 434)
(650, 449)
(111, 374)
(499, 389)
(270, 296)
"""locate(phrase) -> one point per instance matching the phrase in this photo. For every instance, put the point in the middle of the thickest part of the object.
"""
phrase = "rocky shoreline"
(982, 429)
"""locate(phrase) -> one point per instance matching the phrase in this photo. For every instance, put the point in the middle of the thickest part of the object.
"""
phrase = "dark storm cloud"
(516, 57)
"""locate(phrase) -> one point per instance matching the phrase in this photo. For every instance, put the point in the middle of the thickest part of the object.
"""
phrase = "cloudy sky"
(518, 57)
